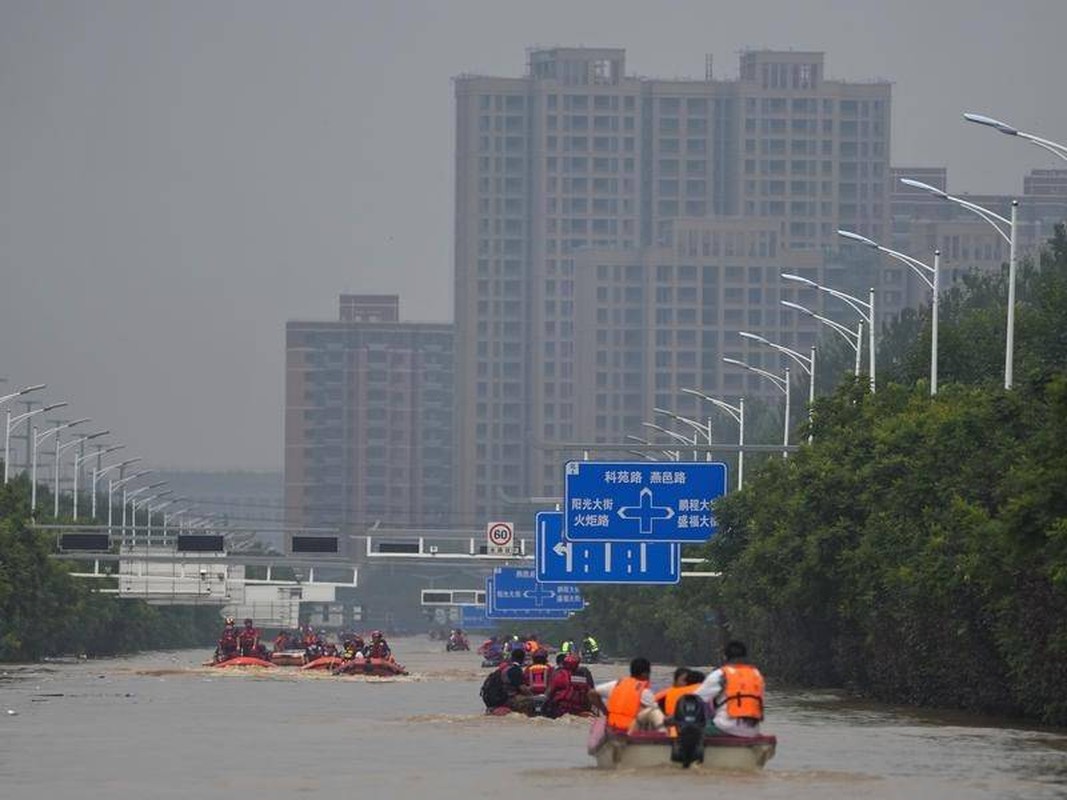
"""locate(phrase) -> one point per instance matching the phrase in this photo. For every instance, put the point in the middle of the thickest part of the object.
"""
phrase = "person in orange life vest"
(735, 693)
(248, 639)
(668, 698)
(629, 702)
(568, 693)
(539, 674)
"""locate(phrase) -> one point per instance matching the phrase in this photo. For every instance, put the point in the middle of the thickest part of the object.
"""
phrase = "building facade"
(368, 419)
(577, 156)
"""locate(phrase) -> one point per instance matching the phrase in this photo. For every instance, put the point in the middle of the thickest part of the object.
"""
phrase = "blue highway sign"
(517, 588)
(474, 618)
(536, 613)
(641, 501)
(560, 561)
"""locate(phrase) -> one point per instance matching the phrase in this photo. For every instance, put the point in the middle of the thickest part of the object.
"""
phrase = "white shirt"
(711, 692)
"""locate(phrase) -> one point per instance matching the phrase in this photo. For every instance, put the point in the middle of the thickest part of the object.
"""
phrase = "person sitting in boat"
(519, 696)
(568, 693)
(539, 674)
(629, 702)
(351, 646)
(590, 648)
(248, 639)
(735, 693)
(378, 647)
(227, 644)
(681, 684)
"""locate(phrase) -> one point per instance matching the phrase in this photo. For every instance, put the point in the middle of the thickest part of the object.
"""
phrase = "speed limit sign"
(500, 538)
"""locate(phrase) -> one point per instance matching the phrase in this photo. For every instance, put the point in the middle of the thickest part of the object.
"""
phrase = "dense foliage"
(917, 551)
(46, 612)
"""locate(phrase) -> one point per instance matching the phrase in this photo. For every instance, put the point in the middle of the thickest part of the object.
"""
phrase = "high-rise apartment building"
(368, 419)
(576, 156)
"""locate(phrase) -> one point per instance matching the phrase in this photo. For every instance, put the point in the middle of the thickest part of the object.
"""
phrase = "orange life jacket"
(743, 691)
(670, 696)
(625, 702)
(538, 676)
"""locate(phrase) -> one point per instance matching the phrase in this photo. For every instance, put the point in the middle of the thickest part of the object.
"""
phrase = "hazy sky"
(178, 179)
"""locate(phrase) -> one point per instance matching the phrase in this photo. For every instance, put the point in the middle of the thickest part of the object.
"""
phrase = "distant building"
(578, 156)
(368, 419)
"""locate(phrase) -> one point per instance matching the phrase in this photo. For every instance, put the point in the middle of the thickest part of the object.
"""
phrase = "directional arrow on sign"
(645, 511)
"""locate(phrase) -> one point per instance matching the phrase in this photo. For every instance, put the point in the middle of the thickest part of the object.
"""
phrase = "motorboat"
(641, 749)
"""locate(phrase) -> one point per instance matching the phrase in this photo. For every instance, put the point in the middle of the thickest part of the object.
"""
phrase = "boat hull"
(379, 667)
(240, 661)
(652, 749)
(289, 658)
(324, 662)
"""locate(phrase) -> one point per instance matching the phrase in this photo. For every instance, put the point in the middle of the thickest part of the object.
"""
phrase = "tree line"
(916, 552)
(44, 611)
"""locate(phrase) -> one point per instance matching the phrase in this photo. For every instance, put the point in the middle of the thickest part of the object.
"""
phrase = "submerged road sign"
(559, 561)
(492, 612)
(641, 501)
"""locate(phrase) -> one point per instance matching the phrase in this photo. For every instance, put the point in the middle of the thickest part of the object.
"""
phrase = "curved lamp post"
(127, 498)
(99, 473)
(144, 502)
(79, 459)
(60, 448)
(673, 434)
(930, 276)
(783, 386)
(37, 439)
(853, 337)
(1006, 228)
(738, 413)
(701, 430)
(670, 454)
(120, 484)
(12, 423)
(807, 363)
(20, 392)
(1010, 130)
(864, 309)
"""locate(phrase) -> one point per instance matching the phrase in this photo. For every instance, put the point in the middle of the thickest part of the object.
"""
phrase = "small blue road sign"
(529, 612)
(559, 561)
(517, 588)
(473, 618)
(641, 501)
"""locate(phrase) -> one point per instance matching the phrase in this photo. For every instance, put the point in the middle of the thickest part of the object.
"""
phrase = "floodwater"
(159, 725)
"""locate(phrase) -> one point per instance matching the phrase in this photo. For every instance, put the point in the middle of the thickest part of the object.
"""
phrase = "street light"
(777, 380)
(119, 484)
(853, 337)
(12, 423)
(1010, 130)
(128, 498)
(21, 392)
(144, 501)
(671, 454)
(81, 440)
(674, 435)
(738, 413)
(156, 508)
(99, 473)
(78, 459)
(807, 363)
(704, 430)
(930, 276)
(864, 309)
(1008, 235)
(37, 439)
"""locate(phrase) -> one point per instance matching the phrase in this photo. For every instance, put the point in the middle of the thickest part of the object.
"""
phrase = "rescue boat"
(324, 662)
(288, 658)
(239, 661)
(380, 667)
(641, 749)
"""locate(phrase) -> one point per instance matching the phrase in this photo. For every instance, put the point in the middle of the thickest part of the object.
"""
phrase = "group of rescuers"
(733, 692)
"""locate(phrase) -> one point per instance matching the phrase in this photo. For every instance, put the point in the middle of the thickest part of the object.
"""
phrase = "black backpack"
(690, 717)
(493, 691)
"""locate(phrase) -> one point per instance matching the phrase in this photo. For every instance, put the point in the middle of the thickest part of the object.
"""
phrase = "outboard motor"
(690, 717)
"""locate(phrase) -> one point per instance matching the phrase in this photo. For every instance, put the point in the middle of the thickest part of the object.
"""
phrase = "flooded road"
(161, 726)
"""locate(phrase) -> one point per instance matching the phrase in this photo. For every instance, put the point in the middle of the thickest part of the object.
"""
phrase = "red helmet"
(376, 634)
(571, 661)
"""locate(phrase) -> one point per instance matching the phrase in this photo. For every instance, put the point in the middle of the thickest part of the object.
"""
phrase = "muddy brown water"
(159, 725)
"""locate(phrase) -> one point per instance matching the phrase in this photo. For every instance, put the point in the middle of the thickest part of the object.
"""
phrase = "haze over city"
(177, 180)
